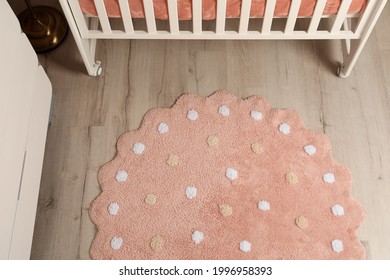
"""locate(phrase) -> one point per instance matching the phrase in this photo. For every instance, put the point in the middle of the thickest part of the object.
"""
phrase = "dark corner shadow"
(66, 57)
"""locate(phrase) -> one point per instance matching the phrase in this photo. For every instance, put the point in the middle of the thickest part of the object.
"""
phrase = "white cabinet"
(25, 97)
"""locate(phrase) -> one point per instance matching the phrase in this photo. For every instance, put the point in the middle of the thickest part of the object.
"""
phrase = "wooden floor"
(90, 113)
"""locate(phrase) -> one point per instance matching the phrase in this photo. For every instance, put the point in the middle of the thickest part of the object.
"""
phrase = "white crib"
(352, 29)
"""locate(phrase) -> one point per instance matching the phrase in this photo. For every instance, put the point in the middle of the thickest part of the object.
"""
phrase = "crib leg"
(87, 50)
(351, 52)
(86, 46)
(352, 48)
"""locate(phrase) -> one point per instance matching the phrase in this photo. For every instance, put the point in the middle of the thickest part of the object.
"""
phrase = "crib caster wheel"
(340, 73)
(98, 68)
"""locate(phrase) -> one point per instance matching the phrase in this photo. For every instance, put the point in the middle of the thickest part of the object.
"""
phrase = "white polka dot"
(231, 173)
(113, 208)
(329, 178)
(337, 246)
(264, 205)
(224, 110)
(310, 150)
(256, 115)
(197, 237)
(121, 176)
(284, 128)
(245, 246)
(163, 128)
(191, 192)
(138, 148)
(192, 115)
(338, 210)
(116, 242)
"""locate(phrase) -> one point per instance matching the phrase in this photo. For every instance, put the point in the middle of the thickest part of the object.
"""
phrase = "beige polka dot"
(173, 160)
(150, 198)
(225, 210)
(212, 140)
(291, 178)
(302, 222)
(257, 148)
(157, 243)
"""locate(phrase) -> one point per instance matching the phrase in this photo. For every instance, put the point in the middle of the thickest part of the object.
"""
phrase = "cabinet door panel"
(28, 197)
(18, 71)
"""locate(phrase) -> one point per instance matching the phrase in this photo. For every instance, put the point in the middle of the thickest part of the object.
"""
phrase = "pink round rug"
(225, 178)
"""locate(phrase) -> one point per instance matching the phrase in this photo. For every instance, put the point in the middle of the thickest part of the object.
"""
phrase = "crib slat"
(102, 14)
(149, 15)
(126, 16)
(79, 17)
(268, 16)
(244, 17)
(173, 16)
(341, 15)
(292, 16)
(197, 16)
(221, 16)
(315, 21)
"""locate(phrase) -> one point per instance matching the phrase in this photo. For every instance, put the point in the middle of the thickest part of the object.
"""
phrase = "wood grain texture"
(90, 113)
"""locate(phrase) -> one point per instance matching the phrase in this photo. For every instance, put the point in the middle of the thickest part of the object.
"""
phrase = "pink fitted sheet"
(209, 8)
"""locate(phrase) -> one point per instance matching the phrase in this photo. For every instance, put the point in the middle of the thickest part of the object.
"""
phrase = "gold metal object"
(44, 26)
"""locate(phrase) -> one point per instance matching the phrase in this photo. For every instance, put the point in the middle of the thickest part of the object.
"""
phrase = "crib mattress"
(209, 8)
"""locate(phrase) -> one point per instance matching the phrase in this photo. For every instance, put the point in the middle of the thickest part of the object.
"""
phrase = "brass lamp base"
(45, 27)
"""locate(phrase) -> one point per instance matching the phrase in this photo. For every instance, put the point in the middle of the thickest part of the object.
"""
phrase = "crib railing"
(353, 29)
(340, 27)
